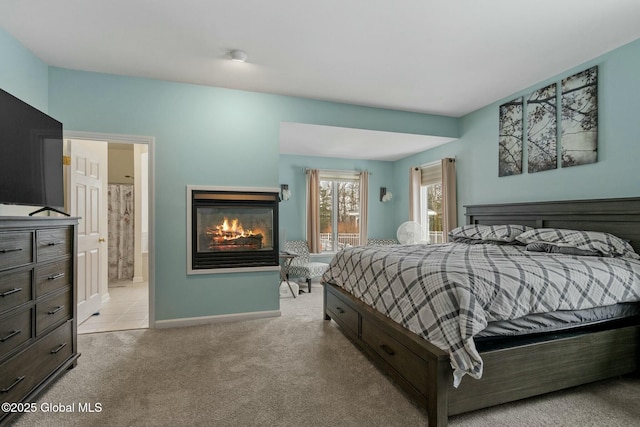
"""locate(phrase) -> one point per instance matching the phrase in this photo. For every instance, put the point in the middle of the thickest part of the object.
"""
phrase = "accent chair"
(302, 266)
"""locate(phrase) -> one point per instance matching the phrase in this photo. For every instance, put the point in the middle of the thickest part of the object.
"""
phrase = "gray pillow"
(554, 249)
(604, 243)
(476, 233)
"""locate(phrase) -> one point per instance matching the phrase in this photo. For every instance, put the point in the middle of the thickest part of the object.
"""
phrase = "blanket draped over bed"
(448, 293)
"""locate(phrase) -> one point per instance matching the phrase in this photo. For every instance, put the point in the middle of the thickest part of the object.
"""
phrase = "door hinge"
(66, 160)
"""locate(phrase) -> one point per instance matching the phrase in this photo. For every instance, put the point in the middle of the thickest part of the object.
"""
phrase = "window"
(431, 214)
(339, 210)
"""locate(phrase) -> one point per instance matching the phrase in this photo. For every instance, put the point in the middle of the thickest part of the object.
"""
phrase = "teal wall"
(208, 136)
(292, 212)
(199, 129)
(22, 74)
(614, 175)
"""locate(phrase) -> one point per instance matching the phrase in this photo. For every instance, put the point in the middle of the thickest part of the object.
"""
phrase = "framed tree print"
(542, 129)
(510, 138)
(579, 139)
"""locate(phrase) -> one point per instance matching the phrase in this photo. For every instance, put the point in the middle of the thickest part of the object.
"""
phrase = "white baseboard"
(193, 321)
(106, 297)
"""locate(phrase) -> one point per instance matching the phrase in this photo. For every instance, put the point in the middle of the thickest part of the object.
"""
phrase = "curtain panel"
(364, 206)
(415, 179)
(313, 210)
(444, 172)
(121, 231)
(449, 197)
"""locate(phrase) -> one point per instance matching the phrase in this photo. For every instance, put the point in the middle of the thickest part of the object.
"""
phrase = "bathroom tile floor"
(127, 308)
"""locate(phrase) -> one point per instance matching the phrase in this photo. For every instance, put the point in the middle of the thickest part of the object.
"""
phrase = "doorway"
(126, 298)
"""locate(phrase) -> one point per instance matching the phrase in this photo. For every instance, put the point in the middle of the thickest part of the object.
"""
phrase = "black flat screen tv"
(31, 171)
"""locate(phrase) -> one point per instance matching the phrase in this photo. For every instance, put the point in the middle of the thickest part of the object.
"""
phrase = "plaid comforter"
(448, 293)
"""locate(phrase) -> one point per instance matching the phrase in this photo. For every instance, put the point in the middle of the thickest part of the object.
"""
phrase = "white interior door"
(87, 198)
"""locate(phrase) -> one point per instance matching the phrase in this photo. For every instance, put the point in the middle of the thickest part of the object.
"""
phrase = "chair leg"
(309, 285)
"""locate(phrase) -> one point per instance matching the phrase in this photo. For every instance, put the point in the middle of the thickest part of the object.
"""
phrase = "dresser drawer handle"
(340, 310)
(60, 347)
(12, 291)
(56, 276)
(55, 310)
(5, 251)
(15, 383)
(387, 349)
(11, 334)
(59, 242)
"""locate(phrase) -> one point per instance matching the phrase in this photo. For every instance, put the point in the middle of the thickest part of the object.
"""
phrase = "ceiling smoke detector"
(238, 55)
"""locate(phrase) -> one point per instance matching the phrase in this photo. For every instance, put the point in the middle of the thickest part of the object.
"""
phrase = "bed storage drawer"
(342, 312)
(408, 364)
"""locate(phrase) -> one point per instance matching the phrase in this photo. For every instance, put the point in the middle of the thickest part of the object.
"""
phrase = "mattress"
(559, 321)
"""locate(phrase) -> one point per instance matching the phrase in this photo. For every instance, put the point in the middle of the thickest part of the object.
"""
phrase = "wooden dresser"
(38, 300)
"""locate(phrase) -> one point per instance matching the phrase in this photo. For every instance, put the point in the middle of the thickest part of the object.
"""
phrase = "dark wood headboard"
(620, 217)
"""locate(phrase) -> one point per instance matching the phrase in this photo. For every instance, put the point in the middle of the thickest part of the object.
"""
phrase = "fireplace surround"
(232, 229)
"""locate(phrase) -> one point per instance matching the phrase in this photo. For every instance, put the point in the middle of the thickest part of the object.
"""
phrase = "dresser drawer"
(342, 313)
(53, 310)
(51, 351)
(52, 243)
(53, 276)
(14, 330)
(23, 372)
(16, 379)
(15, 289)
(16, 249)
(403, 360)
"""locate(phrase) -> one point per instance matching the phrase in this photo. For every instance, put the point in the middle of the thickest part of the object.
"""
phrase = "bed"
(509, 368)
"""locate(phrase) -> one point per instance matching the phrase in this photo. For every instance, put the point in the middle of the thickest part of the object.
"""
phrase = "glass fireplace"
(233, 229)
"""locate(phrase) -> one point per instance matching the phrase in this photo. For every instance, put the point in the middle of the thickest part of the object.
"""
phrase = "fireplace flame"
(232, 232)
(229, 230)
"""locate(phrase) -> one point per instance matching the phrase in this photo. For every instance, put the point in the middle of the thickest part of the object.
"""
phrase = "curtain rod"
(306, 170)
(451, 159)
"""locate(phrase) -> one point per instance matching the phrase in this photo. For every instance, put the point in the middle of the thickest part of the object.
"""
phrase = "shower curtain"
(121, 236)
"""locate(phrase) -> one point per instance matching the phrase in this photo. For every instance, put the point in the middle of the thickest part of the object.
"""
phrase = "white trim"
(190, 189)
(111, 137)
(222, 188)
(150, 141)
(231, 269)
(205, 320)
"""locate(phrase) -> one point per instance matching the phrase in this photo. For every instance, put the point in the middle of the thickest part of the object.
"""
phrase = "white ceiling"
(432, 56)
(331, 141)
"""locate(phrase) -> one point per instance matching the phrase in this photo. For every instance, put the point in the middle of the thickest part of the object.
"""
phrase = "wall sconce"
(385, 195)
(285, 194)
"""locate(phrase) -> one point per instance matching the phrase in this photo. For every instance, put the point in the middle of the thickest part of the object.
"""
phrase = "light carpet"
(294, 370)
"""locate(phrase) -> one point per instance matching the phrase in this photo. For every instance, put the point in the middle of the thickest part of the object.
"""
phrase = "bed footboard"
(421, 369)
(424, 371)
